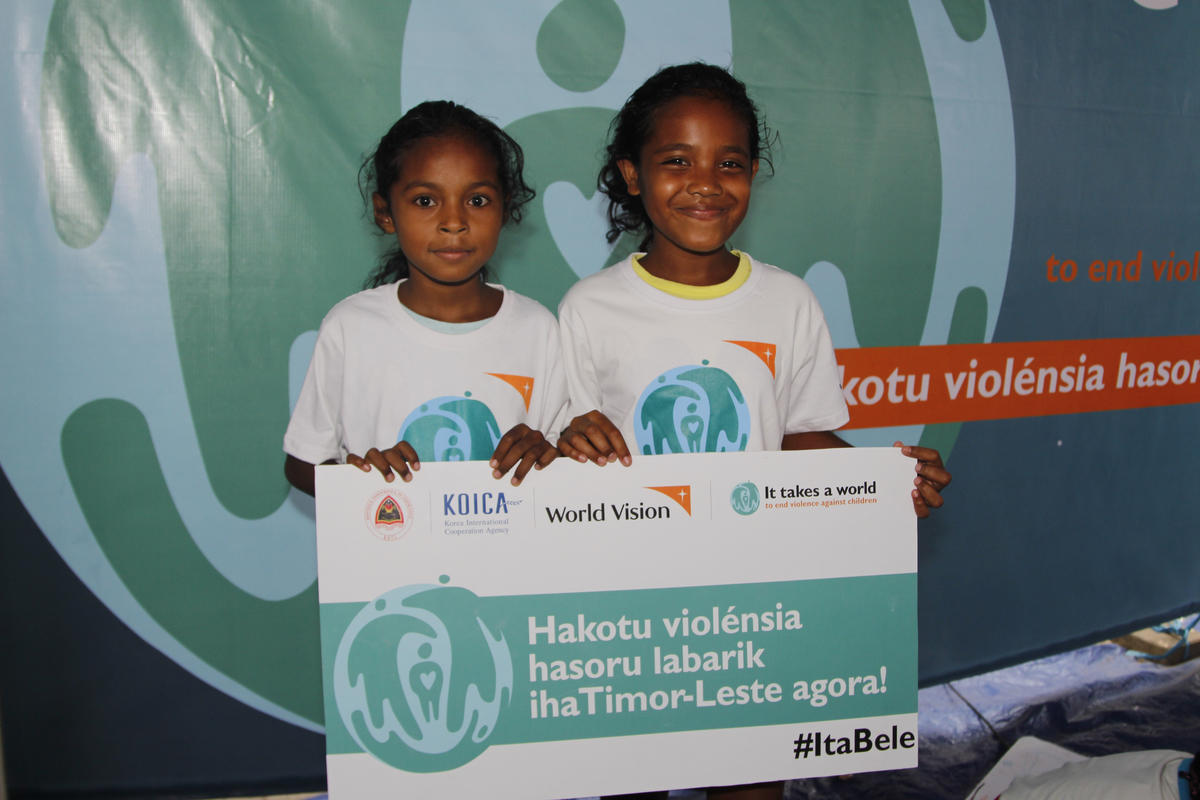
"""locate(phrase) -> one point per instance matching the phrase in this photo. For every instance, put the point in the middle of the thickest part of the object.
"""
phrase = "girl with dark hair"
(432, 362)
(690, 346)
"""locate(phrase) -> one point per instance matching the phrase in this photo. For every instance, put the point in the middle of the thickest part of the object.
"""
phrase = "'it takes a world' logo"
(744, 498)
(422, 676)
(692, 409)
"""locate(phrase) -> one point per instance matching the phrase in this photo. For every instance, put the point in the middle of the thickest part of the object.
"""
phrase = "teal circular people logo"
(692, 409)
(744, 498)
(421, 678)
(452, 429)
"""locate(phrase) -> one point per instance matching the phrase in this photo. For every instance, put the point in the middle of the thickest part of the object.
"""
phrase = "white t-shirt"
(378, 376)
(736, 372)
(1140, 775)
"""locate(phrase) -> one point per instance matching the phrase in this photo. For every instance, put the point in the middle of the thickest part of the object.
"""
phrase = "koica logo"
(475, 504)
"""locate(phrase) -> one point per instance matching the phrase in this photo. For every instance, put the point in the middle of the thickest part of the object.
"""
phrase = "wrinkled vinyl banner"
(994, 203)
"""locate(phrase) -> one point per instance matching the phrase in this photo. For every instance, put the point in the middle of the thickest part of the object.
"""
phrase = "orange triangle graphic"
(521, 383)
(764, 350)
(680, 494)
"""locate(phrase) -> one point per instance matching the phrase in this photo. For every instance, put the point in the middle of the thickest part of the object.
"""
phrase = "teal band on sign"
(597, 664)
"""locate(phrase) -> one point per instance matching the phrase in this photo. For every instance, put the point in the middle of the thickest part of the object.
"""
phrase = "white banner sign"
(697, 620)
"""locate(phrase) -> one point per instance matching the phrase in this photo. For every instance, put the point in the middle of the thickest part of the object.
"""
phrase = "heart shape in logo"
(577, 225)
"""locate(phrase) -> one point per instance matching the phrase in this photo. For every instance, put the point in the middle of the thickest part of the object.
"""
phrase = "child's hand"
(526, 448)
(593, 437)
(932, 478)
(400, 457)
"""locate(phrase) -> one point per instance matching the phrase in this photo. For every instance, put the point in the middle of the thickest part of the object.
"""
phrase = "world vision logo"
(692, 409)
(764, 350)
(422, 677)
(452, 429)
(522, 383)
(389, 514)
(680, 494)
(626, 511)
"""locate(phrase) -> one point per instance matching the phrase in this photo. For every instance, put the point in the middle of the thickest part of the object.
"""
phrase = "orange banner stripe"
(963, 382)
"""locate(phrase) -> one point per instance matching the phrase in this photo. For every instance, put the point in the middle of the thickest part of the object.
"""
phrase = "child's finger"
(528, 461)
(919, 505)
(399, 463)
(409, 453)
(603, 436)
(530, 440)
(925, 455)
(357, 461)
(938, 476)
(620, 449)
(547, 456)
(504, 448)
(377, 460)
(929, 494)
(575, 444)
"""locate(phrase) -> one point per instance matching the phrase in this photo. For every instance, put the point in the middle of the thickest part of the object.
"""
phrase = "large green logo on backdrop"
(194, 213)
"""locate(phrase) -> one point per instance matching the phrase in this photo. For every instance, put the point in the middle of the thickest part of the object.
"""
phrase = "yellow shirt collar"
(689, 292)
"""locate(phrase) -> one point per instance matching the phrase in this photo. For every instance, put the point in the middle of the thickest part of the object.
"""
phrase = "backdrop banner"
(995, 204)
(684, 621)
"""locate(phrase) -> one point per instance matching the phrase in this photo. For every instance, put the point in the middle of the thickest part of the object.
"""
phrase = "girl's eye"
(479, 200)
(731, 165)
(674, 161)
(423, 201)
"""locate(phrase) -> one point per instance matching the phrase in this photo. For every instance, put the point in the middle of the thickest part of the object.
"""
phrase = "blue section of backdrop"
(1080, 525)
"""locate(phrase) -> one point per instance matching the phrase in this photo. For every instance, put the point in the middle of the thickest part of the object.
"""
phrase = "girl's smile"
(693, 175)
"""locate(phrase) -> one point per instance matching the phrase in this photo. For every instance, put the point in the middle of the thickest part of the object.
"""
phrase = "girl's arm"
(302, 474)
(932, 475)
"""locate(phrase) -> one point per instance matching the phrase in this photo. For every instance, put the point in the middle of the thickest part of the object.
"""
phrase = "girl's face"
(694, 175)
(445, 208)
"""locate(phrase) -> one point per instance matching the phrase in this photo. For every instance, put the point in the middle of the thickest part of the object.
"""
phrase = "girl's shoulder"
(366, 299)
(599, 284)
(776, 281)
(522, 307)
(368, 304)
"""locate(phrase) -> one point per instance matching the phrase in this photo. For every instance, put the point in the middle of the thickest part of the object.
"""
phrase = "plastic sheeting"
(1094, 701)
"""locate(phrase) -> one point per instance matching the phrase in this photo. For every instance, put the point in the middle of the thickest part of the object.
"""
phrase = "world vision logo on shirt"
(522, 383)
(692, 409)
(452, 429)
(764, 350)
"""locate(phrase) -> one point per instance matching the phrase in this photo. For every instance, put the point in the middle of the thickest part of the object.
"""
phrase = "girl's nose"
(704, 185)
(452, 223)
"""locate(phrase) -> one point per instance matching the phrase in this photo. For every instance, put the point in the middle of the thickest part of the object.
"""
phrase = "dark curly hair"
(634, 124)
(436, 119)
